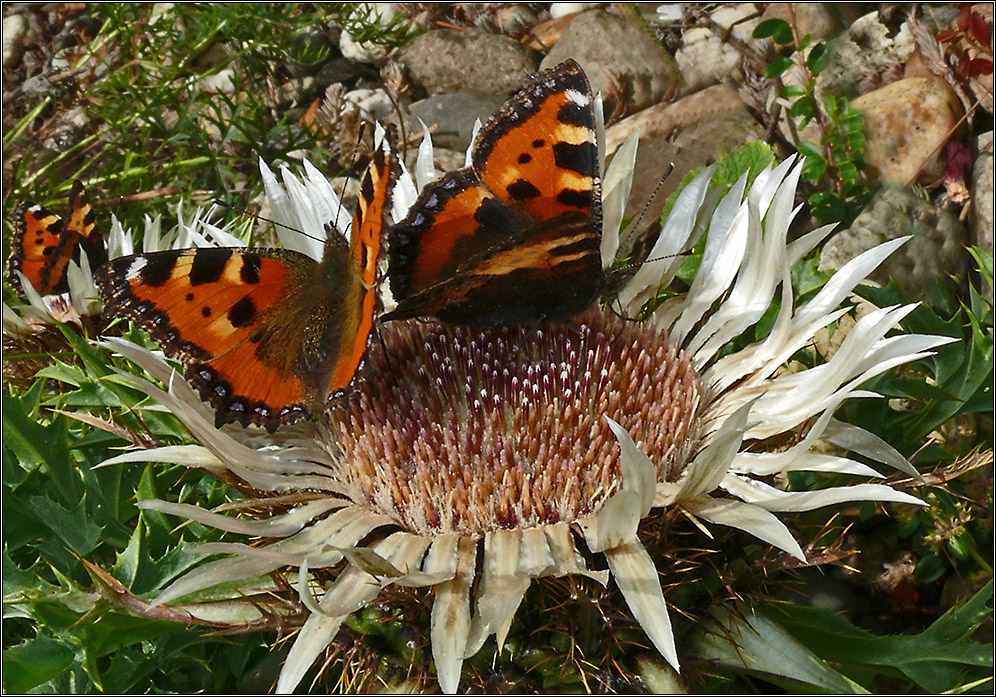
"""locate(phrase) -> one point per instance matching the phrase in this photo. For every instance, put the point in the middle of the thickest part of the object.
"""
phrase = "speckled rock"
(450, 117)
(907, 124)
(706, 57)
(447, 60)
(863, 58)
(936, 251)
(982, 194)
(622, 61)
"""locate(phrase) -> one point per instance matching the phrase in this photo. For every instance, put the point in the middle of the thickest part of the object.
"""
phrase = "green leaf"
(71, 526)
(34, 662)
(751, 642)
(818, 58)
(778, 67)
(935, 660)
(770, 27)
(811, 150)
(749, 158)
(784, 36)
(32, 443)
(792, 91)
(804, 107)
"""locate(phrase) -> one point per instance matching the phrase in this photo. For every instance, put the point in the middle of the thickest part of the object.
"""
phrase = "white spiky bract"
(745, 396)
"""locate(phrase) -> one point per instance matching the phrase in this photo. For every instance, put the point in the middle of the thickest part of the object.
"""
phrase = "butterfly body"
(267, 336)
(515, 236)
(44, 244)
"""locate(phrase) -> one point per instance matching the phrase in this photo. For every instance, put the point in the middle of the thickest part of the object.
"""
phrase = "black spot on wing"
(242, 313)
(250, 268)
(581, 157)
(493, 215)
(367, 188)
(521, 190)
(158, 268)
(577, 115)
(575, 198)
(208, 265)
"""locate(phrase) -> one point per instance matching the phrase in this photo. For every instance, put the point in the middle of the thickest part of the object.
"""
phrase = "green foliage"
(807, 649)
(182, 98)
(750, 158)
(61, 634)
(365, 25)
(962, 371)
(834, 163)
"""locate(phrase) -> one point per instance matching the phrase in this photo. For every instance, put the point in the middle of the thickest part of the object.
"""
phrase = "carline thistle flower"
(473, 462)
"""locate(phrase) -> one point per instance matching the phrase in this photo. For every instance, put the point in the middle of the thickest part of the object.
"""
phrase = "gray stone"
(982, 194)
(706, 56)
(374, 104)
(315, 43)
(450, 117)
(936, 251)
(623, 61)
(14, 29)
(447, 60)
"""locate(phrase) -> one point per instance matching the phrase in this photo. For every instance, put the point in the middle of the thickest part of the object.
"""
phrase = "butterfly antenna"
(653, 196)
(257, 216)
(352, 158)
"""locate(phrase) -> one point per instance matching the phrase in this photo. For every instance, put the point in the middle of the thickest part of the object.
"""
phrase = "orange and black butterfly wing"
(44, 244)
(523, 277)
(37, 235)
(233, 317)
(337, 338)
(538, 154)
(266, 336)
(516, 236)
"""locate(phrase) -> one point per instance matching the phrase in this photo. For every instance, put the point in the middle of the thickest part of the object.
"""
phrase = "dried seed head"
(461, 430)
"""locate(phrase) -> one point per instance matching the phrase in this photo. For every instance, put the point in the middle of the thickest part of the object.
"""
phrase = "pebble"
(936, 251)
(14, 29)
(562, 9)
(618, 52)
(705, 58)
(448, 60)
(450, 117)
(365, 52)
(689, 133)
(907, 124)
(374, 104)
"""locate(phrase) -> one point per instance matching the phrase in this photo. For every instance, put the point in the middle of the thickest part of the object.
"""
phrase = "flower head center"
(462, 430)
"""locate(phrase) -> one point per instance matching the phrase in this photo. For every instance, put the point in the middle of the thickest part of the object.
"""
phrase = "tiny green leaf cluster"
(836, 160)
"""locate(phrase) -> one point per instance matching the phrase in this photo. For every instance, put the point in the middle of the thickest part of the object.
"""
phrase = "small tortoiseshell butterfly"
(265, 335)
(44, 244)
(515, 236)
